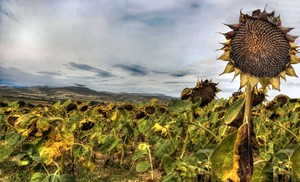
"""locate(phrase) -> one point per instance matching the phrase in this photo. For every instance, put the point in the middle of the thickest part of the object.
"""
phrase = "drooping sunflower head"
(259, 49)
(204, 90)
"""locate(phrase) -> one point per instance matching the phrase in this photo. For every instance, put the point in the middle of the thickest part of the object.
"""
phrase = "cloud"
(15, 77)
(85, 67)
(5, 10)
(149, 19)
(143, 45)
(180, 73)
(6, 75)
(49, 73)
(82, 66)
(178, 82)
(134, 70)
(195, 5)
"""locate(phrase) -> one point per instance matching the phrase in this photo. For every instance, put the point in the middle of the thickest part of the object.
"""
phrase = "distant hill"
(53, 94)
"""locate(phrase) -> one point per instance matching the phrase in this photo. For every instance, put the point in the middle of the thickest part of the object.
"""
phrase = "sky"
(140, 46)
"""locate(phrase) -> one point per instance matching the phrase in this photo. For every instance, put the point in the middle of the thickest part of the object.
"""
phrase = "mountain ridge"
(53, 94)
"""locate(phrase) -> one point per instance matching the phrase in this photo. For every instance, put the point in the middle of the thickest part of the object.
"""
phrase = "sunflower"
(260, 50)
(204, 90)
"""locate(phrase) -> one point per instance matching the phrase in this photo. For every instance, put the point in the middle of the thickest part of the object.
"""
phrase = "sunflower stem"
(248, 104)
(62, 162)
(151, 162)
(248, 112)
(248, 162)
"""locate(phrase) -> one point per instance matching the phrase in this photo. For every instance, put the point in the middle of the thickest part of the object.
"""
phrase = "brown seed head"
(260, 48)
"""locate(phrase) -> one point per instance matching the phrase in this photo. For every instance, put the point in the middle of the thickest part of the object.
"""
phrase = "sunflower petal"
(225, 56)
(244, 80)
(264, 82)
(290, 71)
(293, 52)
(224, 48)
(242, 18)
(253, 80)
(256, 13)
(275, 81)
(277, 21)
(236, 72)
(293, 46)
(282, 75)
(285, 30)
(272, 13)
(229, 35)
(226, 43)
(234, 27)
(228, 69)
(291, 38)
(294, 59)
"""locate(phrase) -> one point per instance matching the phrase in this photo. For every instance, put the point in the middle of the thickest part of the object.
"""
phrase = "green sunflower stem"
(248, 104)
(62, 162)
(246, 159)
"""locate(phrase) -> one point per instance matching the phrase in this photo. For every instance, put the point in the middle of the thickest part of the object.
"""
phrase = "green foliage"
(262, 171)
(38, 177)
(5, 152)
(222, 157)
(12, 139)
(233, 111)
(142, 166)
(165, 148)
(108, 143)
(180, 139)
(295, 160)
(179, 106)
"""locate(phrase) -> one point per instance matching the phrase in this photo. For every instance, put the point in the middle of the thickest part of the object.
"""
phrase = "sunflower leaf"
(222, 157)
(142, 166)
(233, 111)
(295, 158)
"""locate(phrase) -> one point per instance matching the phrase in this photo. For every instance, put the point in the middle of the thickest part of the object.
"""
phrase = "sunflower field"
(195, 138)
(181, 139)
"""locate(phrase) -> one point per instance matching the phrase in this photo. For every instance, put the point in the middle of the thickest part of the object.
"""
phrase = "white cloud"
(169, 36)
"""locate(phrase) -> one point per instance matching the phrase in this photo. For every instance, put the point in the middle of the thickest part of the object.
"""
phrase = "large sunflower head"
(259, 49)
